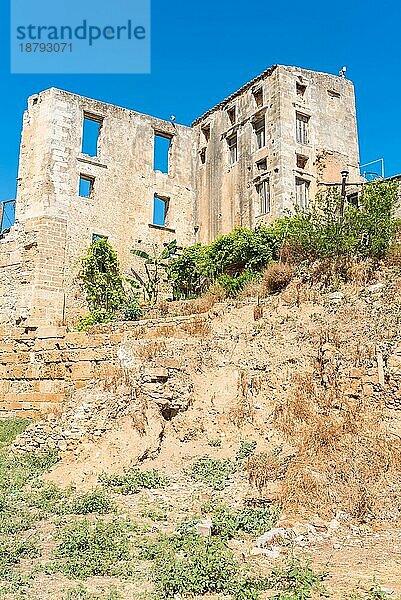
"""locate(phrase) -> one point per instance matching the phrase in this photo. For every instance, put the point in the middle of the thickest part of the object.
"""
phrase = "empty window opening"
(353, 199)
(202, 154)
(160, 208)
(301, 192)
(206, 132)
(232, 149)
(261, 165)
(258, 96)
(302, 128)
(90, 134)
(301, 89)
(98, 236)
(260, 132)
(263, 190)
(301, 161)
(162, 146)
(232, 115)
(333, 94)
(86, 183)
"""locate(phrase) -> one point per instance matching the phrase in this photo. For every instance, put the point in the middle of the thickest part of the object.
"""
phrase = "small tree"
(155, 264)
(102, 280)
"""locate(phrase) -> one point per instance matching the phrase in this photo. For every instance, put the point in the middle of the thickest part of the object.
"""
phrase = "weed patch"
(133, 481)
(87, 549)
(188, 565)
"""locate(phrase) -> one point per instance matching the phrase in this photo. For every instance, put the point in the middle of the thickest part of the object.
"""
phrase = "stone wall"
(40, 367)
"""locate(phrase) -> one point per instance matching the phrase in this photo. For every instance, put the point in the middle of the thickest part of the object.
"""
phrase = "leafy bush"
(87, 549)
(296, 580)
(213, 471)
(330, 229)
(231, 260)
(133, 481)
(190, 565)
(101, 278)
(94, 501)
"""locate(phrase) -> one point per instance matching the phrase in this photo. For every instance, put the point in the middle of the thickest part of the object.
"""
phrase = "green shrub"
(190, 565)
(233, 285)
(245, 450)
(94, 318)
(17, 470)
(12, 550)
(295, 580)
(331, 229)
(132, 310)
(232, 260)
(215, 442)
(213, 471)
(95, 501)
(10, 428)
(87, 549)
(133, 481)
(228, 523)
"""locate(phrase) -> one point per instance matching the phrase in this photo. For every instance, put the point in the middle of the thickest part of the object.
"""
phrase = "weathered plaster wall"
(226, 194)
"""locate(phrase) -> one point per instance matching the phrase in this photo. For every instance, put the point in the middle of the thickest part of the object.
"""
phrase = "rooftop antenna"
(342, 72)
(172, 118)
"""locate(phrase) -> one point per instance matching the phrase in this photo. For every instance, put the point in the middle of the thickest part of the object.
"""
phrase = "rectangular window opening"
(160, 209)
(258, 97)
(301, 161)
(86, 183)
(206, 132)
(98, 236)
(232, 115)
(261, 165)
(301, 89)
(202, 154)
(302, 128)
(232, 149)
(353, 199)
(332, 94)
(301, 192)
(263, 190)
(91, 127)
(162, 145)
(260, 133)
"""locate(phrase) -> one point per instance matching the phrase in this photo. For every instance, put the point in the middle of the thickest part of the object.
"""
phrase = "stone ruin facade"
(264, 149)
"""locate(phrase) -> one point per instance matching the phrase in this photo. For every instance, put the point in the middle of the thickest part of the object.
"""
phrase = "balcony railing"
(7, 215)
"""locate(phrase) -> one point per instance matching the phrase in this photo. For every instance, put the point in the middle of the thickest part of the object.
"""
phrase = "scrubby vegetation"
(133, 481)
(109, 294)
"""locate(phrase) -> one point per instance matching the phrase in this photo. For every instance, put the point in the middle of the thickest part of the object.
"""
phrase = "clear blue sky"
(202, 51)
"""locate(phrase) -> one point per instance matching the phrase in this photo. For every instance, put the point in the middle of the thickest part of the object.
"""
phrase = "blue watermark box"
(80, 36)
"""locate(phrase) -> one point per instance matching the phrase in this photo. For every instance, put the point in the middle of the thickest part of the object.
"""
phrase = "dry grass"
(331, 272)
(150, 349)
(275, 278)
(344, 458)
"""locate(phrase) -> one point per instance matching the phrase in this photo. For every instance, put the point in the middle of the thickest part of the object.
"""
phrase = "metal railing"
(7, 214)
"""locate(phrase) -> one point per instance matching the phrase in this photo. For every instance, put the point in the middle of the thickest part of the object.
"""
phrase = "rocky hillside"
(283, 414)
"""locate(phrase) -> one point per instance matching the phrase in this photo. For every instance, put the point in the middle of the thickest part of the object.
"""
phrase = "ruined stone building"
(245, 161)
